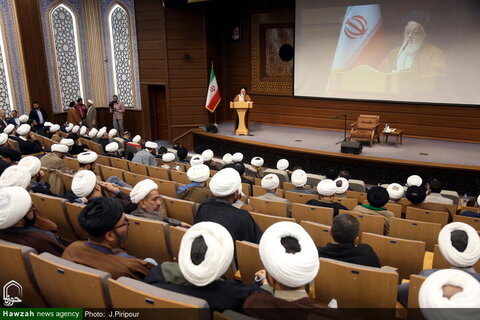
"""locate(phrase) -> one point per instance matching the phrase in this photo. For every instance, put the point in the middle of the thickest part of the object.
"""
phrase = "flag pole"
(214, 111)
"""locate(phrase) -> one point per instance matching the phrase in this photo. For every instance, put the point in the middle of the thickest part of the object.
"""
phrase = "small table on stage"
(397, 133)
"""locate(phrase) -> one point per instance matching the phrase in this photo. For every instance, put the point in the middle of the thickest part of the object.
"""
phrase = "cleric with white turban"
(237, 157)
(327, 187)
(151, 145)
(207, 155)
(31, 163)
(83, 183)
(198, 173)
(461, 259)
(136, 139)
(342, 185)
(168, 157)
(289, 254)
(142, 189)
(3, 138)
(395, 191)
(257, 162)
(23, 130)
(15, 202)
(282, 164)
(196, 160)
(299, 178)
(216, 259)
(15, 176)
(270, 182)
(111, 147)
(225, 182)
(8, 129)
(414, 180)
(93, 133)
(227, 158)
(59, 148)
(87, 157)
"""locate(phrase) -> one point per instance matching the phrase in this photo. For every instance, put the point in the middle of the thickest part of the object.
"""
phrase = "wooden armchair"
(365, 129)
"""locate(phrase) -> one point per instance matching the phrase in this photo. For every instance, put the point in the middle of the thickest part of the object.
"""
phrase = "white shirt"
(40, 117)
(437, 198)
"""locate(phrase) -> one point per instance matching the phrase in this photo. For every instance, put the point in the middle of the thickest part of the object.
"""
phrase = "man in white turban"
(414, 180)
(112, 150)
(18, 176)
(283, 164)
(206, 252)
(395, 192)
(196, 160)
(342, 187)
(459, 244)
(169, 162)
(450, 295)
(150, 204)
(237, 157)
(227, 158)
(197, 190)
(33, 165)
(207, 156)
(226, 186)
(291, 263)
(3, 139)
(18, 222)
(255, 168)
(27, 142)
(299, 179)
(87, 161)
(147, 155)
(326, 190)
(271, 183)
(53, 161)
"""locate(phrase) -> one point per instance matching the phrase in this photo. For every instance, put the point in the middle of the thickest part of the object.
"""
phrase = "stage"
(455, 163)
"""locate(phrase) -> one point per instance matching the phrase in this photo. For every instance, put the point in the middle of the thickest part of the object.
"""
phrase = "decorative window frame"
(111, 65)
(80, 62)
(7, 63)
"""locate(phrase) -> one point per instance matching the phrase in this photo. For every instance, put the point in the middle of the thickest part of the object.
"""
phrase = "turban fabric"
(257, 162)
(31, 163)
(93, 133)
(87, 157)
(282, 164)
(14, 205)
(207, 155)
(270, 182)
(15, 176)
(342, 185)
(83, 183)
(142, 189)
(226, 182)
(59, 148)
(111, 147)
(299, 178)
(395, 191)
(228, 158)
(151, 145)
(198, 173)
(196, 160)
(414, 180)
(470, 255)
(327, 187)
(237, 157)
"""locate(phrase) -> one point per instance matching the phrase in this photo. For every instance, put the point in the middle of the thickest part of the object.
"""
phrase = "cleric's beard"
(412, 47)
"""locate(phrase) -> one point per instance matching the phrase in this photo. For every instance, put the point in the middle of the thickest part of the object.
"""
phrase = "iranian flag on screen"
(361, 38)
(213, 94)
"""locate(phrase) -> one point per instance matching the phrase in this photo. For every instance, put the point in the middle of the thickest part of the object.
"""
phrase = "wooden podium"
(242, 108)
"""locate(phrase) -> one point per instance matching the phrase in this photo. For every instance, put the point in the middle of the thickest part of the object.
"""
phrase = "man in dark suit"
(38, 114)
(14, 119)
(3, 120)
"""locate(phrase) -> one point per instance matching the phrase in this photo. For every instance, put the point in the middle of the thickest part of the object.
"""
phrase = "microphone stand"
(344, 126)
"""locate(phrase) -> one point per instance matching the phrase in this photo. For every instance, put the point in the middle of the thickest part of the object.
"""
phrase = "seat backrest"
(180, 177)
(48, 143)
(67, 180)
(138, 168)
(405, 255)
(159, 173)
(54, 209)
(305, 212)
(368, 223)
(108, 172)
(259, 191)
(474, 222)
(382, 285)
(416, 282)
(133, 178)
(282, 175)
(166, 187)
(104, 160)
(86, 142)
(320, 233)
(314, 179)
(357, 185)
(16, 266)
(119, 163)
(246, 189)
(71, 163)
(132, 294)
(148, 239)
(348, 203)
(182, 210)
(450, 194)
(176, 235)
(275, 208)
(265, 220)
(288, 186)
(415, 230)
(367, 121)
(360, 196)
(439, 262)
(427, 215)
(248, 258)
(295, 197)
(73, 211)
(66, 284)
(395, 208)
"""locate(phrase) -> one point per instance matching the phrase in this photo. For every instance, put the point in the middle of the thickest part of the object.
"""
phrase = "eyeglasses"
(125, 223)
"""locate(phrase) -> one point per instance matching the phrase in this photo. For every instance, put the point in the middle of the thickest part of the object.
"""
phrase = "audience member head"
(289, 256)
(459, 244)
(59, 150)
(15, 208)
(93, 133)
(416, 194)
(23, 118)
(3, 139)
(85, 185)
(342, 185)
(79, 100)
(377, 197)
(207, 155)
(145, 194)
(136, 139)
(206, 252)
(182, 153)
(127, 135)
(227, 158)
(257, 162)
(104, 221)
(86, 160)
(299, 178)
(196, 160)
(414, 180)
(112, 147)
(395, 191)
(151, 147)
(326, 189)
(9, 129)
(331, 173)
(33, 165)
(17, 176)
(345, 174)
(226, 184)
(75, 129)
(435, 185)
(237, 157)
(112, 133)
(23, 130)
(345, 229)
(199, 173)
(9, 155)
(238, 166)
(198, 149)
(54, 129)
(168, 157)
(270, 182)
(283, 164)
(71, 104)
(162, 150)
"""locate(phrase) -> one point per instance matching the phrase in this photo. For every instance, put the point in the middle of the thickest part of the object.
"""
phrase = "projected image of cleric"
(415, 54)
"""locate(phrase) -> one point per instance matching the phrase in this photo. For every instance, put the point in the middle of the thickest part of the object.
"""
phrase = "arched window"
(121, 54)
(67, 55)
(6, 93)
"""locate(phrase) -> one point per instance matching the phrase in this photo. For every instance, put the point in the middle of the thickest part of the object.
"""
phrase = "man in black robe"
(326, 190)
(26, 141)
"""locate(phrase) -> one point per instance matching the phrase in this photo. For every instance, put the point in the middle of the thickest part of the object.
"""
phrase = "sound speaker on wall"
(351, 147)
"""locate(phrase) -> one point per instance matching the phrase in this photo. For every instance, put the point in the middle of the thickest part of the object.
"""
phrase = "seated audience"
(342, 187)
(459, 244)
(16, 176)
(33, 165)
(107, 226)
(227, 158)
(45, 130)
(414, 180)
(395, 192)
(270, 183)
(27, 142)
(331, 173)
(416, 195)
(299, 179)
(449, 294)
(226, 186)
(207, 156)
(326, 190)
(18, 222)
(11, 131)
(69, 143)
(54, 161)
(434, 187)
(344, 232)
(150, 204)
(206, 253)
(470, 213)
(197, 191)
(255, 169)
(283, 165)
(102, 138)
(377, 197)
(112, 150)
(182, 154)
(147, 155)
(54, 130)
(291, 263)
(169, 162)
(8, 157)
(77, 146)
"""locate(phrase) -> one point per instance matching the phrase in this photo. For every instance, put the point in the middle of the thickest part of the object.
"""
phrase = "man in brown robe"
(20, 224)
(377, 197)
(54, 161)
(197, 191)
(103, 219)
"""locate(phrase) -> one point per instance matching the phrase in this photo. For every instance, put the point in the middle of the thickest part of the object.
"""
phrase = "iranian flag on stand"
(213, 94)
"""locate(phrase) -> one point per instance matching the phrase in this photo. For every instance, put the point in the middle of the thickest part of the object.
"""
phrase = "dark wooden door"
(159, 115)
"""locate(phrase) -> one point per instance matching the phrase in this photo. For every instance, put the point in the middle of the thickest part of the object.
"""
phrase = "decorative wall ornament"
(6, 93)
(271, 53)
(121, 57)
(67, 56)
